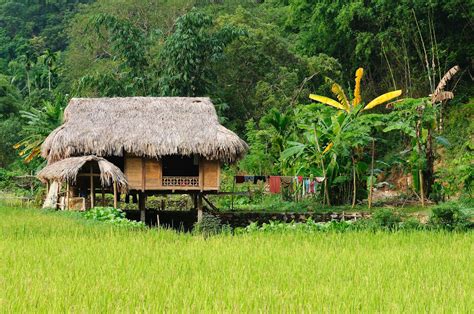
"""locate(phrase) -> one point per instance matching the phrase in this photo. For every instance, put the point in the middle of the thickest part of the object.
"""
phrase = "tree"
(187, 55)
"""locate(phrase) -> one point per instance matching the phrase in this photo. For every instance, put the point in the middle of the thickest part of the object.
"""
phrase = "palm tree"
(28, 61)
(50, 59)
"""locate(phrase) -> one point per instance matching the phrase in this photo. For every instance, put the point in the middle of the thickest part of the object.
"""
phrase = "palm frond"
(383, 98)
(358, 78)
(327, 101)
(339, 92)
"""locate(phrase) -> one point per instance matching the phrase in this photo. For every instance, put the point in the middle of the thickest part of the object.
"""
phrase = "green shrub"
(310, 226)
(386, 219)
(210, 225)
(113, 216)
(452, 216)
(411, 224)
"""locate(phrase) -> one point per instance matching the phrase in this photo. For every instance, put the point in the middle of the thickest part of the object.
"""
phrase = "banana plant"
(343, 103)
(352, 107)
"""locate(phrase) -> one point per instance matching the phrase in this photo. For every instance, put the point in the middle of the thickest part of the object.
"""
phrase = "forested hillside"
(259, 61)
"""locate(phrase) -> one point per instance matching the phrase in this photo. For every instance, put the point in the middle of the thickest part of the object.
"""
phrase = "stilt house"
(137, 145)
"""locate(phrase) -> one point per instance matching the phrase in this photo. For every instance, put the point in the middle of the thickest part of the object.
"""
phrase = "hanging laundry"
(307, 183)
(259, 178)
(275, 184)
(249, 178)
(311, 186)
(239, 179)
(320, 179)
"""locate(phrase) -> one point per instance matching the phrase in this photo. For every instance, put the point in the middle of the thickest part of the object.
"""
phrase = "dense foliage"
(259, 61)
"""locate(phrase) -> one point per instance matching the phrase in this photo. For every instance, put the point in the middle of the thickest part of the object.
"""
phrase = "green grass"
(57, 262)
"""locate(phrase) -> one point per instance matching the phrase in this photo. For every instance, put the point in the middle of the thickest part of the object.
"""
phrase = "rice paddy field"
(57, 262)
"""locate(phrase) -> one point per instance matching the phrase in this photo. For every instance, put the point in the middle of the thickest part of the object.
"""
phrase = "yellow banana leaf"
(328, 148)
(337, 90)
(327, 101)
(358, 78)
(383, 98)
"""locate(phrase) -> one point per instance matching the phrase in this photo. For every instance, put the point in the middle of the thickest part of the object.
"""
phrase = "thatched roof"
(144, 126)
(66, 170)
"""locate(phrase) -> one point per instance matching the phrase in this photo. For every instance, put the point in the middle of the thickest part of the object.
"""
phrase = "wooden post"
(141, 206)
(92, 188)
(232, 196)
(103, 196)
(199, 213)
(195, 204)
(67, 195)
(115, 194)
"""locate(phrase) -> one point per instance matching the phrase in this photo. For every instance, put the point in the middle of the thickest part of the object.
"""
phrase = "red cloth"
(239, 179)
(300, 179)
(275, 184)
(311, 187)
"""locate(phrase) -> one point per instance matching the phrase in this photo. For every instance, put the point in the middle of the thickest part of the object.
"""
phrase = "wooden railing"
(180, 181)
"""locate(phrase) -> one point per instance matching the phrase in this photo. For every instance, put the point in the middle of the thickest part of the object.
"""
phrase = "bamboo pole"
(354, 183)
(371, 174)
(422, 193)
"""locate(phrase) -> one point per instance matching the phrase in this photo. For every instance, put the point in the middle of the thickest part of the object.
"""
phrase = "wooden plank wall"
(153, 174)
(133, 172)
(211, 173)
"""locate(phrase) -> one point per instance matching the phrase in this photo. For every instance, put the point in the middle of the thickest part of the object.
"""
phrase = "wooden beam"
(209, 203)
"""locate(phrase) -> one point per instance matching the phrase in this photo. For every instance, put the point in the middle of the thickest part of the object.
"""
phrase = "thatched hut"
(150, 144)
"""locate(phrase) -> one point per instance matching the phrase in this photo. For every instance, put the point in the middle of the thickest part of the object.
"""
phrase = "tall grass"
(52, 262)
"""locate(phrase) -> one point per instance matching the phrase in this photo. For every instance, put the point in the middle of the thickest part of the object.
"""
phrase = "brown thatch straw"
(143, 126)
(66, 170)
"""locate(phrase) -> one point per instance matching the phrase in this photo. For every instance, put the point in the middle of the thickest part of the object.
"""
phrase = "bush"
(452, 216)
(310, 226)
(411, 224)
(386, 219)
(113, 216)
(210, 225)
